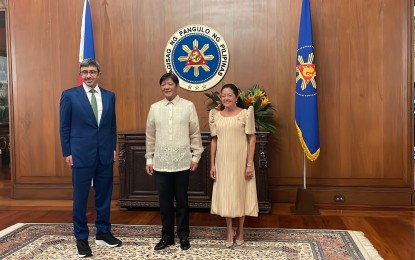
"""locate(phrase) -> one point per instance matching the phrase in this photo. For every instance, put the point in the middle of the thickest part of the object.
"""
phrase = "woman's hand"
(213, 173)
(249, 171)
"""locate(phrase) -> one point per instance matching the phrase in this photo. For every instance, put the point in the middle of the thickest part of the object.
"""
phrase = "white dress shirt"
(173, 137)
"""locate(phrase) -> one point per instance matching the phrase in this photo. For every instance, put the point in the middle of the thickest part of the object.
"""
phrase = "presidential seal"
(198, 55)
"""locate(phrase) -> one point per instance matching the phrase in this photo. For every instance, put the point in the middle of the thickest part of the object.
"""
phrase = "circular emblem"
(198, 55)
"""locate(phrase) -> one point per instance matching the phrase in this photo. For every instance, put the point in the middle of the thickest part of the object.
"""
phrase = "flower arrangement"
(256, 97)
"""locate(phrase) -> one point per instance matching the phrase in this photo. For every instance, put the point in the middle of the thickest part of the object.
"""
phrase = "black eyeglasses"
(91, 72)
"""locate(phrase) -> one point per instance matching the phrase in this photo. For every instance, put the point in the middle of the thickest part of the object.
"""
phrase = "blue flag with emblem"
(306, 112)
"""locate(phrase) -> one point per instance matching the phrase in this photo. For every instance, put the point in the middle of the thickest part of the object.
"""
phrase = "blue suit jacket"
(80, 134)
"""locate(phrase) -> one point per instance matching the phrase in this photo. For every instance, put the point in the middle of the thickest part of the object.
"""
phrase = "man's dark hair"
(171, 76)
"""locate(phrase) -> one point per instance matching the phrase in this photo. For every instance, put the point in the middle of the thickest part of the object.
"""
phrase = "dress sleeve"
(194, 134)
(212, 124)
(250, 121)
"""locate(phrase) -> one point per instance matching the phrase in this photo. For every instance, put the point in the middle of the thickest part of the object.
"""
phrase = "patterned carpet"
(56, 241)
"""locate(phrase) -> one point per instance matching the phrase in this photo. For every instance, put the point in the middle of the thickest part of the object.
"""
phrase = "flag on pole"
(86, 48)
(306, 112)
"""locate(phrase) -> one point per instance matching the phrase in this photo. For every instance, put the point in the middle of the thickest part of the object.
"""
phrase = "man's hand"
(69, 161)
(149, 169)
(193, 166)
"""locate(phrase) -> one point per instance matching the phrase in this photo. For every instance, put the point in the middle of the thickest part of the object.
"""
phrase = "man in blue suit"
(88, 137)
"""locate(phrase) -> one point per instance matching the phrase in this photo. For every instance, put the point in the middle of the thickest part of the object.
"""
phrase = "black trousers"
(171, 186)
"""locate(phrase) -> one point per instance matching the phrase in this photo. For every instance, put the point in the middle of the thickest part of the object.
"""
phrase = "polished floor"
(390, 230)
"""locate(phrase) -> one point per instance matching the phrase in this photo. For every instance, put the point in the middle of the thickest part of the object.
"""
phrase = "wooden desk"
(138, 189)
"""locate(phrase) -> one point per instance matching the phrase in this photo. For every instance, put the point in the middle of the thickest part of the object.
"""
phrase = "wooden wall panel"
(363, 55)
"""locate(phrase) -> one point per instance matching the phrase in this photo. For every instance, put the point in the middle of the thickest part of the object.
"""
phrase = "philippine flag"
(86, 48)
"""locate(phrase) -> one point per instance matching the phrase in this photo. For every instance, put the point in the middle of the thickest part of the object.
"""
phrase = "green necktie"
(94, 103)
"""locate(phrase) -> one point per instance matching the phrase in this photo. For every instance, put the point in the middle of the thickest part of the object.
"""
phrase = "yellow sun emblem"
(306, 71)
(196, 58)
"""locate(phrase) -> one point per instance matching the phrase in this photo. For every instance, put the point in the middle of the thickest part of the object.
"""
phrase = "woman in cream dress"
(232, 169)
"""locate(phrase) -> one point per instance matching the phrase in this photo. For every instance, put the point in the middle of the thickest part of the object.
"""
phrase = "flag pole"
(304, 203)
(304, 172)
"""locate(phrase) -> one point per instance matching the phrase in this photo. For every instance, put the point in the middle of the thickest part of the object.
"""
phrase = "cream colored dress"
(233, 194)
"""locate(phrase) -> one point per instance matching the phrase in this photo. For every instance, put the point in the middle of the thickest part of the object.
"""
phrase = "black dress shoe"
(184, 244)
(163, 244)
